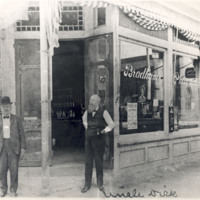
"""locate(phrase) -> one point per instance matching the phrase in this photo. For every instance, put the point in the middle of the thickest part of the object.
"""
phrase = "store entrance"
(68, 103)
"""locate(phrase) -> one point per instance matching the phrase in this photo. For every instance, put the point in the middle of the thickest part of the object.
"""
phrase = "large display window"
(141, 88)
(186, 92)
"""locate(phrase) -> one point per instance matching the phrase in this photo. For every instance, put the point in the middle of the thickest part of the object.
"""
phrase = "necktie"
(6, 117)
(94, 112)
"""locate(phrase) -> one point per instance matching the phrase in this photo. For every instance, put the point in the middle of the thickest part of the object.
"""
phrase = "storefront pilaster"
(8, 66)
(116, 89)
(169, 86)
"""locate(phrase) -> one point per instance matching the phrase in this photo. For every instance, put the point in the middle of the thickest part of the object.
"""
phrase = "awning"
(152, 15)
(11, 11)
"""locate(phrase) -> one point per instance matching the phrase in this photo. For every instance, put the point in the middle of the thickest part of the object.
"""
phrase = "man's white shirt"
(6, 128)
(107, 118)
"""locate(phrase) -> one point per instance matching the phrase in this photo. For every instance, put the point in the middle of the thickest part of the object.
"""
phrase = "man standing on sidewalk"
(12, 144)
(97, 123)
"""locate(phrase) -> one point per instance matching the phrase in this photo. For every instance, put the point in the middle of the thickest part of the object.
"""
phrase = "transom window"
(33, 24)
(72, 19)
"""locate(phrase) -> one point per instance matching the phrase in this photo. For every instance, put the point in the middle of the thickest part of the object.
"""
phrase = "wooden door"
(99, 79)
(28, 107)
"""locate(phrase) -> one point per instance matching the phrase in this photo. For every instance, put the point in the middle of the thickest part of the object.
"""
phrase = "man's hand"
(103, 131)
(22, 154)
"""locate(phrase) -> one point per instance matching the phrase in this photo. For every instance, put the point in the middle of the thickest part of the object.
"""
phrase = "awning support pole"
(44, 100)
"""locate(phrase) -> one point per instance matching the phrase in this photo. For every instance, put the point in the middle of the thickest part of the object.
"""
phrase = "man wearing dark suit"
(12, 145)
(97, 123)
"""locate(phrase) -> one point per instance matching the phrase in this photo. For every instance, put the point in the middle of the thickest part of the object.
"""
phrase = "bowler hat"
(5, 100)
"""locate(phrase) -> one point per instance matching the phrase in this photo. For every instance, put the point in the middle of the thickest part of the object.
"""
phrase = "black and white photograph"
(99, 99)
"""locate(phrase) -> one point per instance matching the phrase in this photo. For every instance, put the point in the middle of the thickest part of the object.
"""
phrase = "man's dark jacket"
(17, 135)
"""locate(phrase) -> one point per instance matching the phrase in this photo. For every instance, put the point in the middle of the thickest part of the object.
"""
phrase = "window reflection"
(101, 16)
(141, 89)
(186, 91)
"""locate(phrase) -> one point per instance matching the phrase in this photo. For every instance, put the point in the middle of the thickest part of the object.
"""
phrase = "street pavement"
(180, 180)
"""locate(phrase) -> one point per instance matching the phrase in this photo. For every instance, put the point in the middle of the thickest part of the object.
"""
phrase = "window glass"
(101, 16)
(72, 18)
(186, 92)
(141, 89)
(33, 22)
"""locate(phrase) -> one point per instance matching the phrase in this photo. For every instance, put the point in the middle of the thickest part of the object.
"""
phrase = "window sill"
(159, 136)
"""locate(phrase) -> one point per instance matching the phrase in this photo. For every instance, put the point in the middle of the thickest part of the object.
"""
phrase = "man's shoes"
(101, 188)
(85, 189)
(3, 194)
(13, 194)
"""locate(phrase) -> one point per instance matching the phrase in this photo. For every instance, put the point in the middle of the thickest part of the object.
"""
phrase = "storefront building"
(144, 67)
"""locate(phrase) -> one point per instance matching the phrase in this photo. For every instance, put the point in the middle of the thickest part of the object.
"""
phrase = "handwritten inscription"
(165, 193)
(136, 194)
(133, 194)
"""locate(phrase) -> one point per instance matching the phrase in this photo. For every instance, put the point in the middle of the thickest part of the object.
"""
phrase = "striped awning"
(151, 15)
(148, 22)
(190, 35)
(11, 11)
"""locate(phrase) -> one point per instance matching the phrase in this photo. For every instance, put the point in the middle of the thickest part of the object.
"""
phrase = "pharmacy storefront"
(158, 107)
(144, 66)
(157, 92)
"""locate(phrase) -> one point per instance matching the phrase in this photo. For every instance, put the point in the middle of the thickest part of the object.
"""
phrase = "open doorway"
(68, 103)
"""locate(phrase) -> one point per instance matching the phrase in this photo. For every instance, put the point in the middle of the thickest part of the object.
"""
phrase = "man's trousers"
(94, 149)
(8, 160)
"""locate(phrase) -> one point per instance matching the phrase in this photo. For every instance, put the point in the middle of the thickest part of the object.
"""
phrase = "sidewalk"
(67, 181)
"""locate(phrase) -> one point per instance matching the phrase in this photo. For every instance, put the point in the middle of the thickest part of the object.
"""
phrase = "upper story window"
(179, 37)
(72, 19)
(101, 16)
(33, 24)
